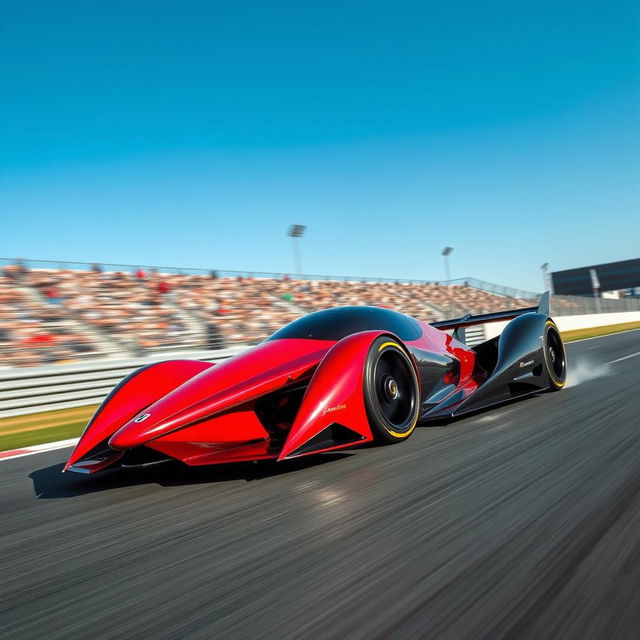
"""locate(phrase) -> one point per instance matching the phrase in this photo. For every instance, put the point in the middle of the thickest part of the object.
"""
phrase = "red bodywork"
(202, 414)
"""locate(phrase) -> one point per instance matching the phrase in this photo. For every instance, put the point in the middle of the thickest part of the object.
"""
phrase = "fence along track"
(29, 390)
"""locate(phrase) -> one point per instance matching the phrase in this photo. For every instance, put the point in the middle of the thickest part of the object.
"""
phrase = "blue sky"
(193, 133)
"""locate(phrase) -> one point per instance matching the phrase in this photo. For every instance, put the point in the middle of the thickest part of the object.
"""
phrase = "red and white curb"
(37, 448)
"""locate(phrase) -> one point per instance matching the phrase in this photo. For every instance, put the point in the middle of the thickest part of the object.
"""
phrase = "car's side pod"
(519, 367)
(520, 354)
(134, 393)
(333, 414)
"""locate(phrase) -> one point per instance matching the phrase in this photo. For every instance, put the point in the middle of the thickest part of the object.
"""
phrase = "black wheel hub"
(391, 390)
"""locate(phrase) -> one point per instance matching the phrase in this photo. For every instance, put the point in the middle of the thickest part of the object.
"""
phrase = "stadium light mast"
(445, 253)
(545, 280)
(296, 231)
(595, 287)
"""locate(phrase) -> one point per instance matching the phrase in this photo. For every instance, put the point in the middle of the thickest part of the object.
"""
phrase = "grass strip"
(47, 426)
(594, 332)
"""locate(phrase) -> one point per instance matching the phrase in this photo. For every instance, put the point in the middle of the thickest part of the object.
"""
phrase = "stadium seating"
(56, 315)
(33, 332)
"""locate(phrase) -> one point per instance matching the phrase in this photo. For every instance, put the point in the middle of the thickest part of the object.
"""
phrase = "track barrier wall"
(570, 323)
(33, 389)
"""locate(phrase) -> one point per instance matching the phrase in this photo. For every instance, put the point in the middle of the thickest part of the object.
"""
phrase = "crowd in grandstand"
(61, 315)
(33, 332)
(128, 309)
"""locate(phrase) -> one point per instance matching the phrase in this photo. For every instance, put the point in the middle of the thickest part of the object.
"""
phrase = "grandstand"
(60, 313)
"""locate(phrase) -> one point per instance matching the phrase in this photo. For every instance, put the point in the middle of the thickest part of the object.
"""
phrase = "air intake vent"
(277, 411)
(334, 435)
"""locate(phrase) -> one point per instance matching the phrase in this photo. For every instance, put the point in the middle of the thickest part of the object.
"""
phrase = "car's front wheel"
(391, 391)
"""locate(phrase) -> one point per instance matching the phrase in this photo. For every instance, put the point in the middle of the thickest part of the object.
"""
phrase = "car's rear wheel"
(391, 391)
(555, 357)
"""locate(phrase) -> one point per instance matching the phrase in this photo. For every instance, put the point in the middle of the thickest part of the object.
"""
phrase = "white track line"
(631, 355)
(37, 448)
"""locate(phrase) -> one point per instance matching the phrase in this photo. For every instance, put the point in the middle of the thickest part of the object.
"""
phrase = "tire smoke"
(583, 369)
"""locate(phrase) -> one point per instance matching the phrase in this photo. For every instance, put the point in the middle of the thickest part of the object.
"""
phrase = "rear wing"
(469, 320)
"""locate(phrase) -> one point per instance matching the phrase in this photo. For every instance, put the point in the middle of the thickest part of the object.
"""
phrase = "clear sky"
(193, 133)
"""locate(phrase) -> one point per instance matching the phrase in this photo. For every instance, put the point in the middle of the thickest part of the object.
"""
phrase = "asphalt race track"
(521, 522)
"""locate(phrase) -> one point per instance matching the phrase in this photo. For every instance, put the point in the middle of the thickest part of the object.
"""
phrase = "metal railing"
(491, 287)
(475, 283)
(583, 305)
(69, 265)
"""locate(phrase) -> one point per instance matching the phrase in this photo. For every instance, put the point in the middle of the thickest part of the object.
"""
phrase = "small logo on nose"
(142, 417)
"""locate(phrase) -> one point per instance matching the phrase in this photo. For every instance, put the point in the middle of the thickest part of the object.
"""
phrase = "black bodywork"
(512, 364)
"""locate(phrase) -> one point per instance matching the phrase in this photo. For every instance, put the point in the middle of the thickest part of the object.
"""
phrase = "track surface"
(522, 522)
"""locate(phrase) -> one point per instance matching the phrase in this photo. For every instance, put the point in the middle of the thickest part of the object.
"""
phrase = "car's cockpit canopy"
(335, 324)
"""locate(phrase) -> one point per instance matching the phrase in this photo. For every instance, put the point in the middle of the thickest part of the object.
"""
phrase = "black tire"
(391, 391)
(555, 356)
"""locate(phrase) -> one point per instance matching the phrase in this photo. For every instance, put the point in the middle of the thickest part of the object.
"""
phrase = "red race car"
(329, 380)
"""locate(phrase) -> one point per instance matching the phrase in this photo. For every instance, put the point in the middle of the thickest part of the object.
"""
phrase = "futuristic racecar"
(329, 380)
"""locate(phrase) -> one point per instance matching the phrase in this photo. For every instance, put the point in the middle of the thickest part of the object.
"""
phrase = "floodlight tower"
(296, 231)
(445, 253)
(545, 279)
